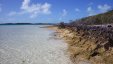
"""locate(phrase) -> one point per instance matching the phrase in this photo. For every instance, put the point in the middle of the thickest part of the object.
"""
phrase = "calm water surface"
(29, 44)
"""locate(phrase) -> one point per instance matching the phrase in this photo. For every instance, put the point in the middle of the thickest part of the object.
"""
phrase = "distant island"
(27, 24)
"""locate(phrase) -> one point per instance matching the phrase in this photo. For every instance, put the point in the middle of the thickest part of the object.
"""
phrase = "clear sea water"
(30, 44)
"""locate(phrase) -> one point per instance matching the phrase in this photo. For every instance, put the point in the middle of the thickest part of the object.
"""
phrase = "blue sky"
(50, 10)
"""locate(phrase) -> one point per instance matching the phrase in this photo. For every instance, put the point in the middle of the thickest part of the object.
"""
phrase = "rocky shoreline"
(87, 46)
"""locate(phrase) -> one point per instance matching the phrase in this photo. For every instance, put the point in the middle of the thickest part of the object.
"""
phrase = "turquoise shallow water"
(29, 44)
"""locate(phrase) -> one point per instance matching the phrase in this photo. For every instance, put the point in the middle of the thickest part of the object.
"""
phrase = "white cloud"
(100, 9)
(33, 9)
(0, 8)
(64, 12)
(12, 13)
(104, 8)
(7, 19)
(25, 4)
(91, 3)
(90, 11)
(77, 10)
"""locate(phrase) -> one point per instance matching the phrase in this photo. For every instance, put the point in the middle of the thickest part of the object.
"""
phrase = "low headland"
(89, 39)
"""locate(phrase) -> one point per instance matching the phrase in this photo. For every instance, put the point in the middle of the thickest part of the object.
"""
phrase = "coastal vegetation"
(104, 18)
(90, 38)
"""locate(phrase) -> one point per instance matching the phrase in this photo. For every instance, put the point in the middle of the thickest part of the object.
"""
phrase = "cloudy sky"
(50, 10)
